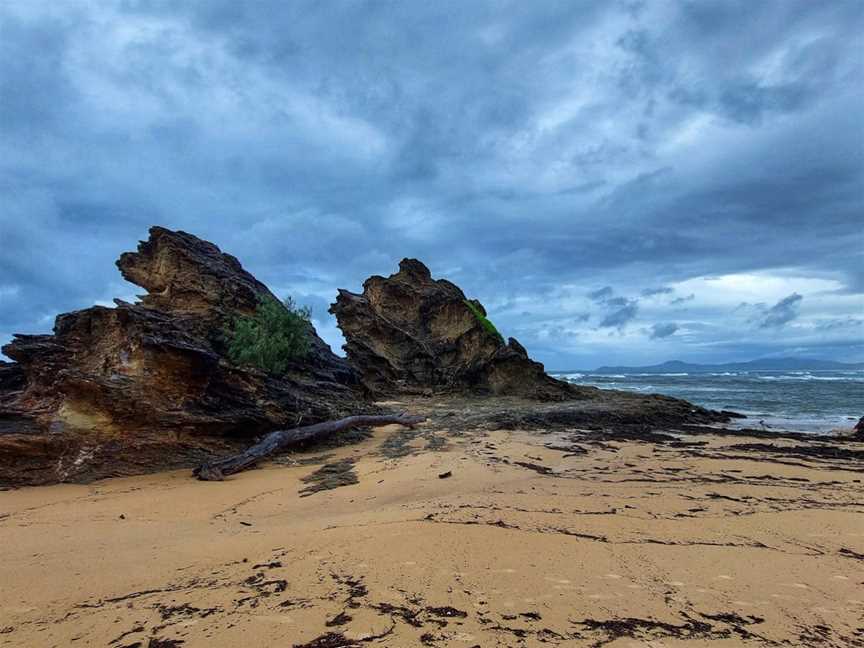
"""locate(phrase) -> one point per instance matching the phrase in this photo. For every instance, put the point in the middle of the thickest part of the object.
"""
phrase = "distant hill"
(766, 364)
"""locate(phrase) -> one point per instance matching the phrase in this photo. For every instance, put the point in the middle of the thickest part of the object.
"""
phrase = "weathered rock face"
(858, 430)
(147, 385)
(410, 333)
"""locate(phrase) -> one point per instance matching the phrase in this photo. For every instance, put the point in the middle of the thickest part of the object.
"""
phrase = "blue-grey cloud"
(620, 317)
(601, 294)
(663, 330)
(683, 300)
(530, 152)
(783, 312)
(845, 323)
(616, 302)
(662, 290)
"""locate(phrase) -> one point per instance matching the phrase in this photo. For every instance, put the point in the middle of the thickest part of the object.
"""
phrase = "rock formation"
(857, 431)
(410, 333)
(147, 385)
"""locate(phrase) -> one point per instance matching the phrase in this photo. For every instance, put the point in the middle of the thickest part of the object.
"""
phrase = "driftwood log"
(280, 439)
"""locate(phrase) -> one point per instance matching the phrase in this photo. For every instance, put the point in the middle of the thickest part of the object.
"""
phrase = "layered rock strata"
(410, 333)
(147, 385)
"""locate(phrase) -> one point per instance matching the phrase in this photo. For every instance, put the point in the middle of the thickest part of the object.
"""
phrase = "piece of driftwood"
(221, 468)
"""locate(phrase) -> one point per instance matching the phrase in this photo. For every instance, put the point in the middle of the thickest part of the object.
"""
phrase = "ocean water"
(810, 401)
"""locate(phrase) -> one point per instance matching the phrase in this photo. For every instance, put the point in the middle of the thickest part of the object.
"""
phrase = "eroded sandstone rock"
(858, 430)
(147, 385)
(410, 333)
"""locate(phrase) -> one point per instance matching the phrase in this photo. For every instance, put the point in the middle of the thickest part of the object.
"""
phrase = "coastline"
(551, 535)
(818, 401)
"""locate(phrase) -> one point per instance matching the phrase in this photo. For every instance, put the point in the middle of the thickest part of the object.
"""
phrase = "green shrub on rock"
(484, 321)
(270, 338)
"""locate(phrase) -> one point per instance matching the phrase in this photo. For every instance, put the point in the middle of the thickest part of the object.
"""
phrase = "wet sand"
(532, 539)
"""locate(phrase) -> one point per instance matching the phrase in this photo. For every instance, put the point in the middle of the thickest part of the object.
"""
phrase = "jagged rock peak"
(411, 333)
(413, 267)
(148, 386)
(184, 274)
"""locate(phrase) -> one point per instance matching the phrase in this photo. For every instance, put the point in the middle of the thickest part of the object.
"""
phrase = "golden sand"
(631, 544)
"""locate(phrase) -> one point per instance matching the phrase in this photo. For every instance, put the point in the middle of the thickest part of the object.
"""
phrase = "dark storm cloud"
(620, 317)
(846, 323)
(617, 302)
(683, 300)
(662, 290)
(783, 312)
(528, 151)
(601, 294)
(663, 330)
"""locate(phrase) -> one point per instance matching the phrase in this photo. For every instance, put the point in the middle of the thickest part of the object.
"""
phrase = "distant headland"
(764, 364)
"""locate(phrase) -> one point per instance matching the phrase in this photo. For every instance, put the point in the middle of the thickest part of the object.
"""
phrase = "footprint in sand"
(612, 576)
(676, 583)
(409, 563)
(840, 577)
(722, 577)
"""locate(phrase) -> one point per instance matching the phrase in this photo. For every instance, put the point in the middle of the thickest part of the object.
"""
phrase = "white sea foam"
(818, 425)
(807, 376)
(811, 401)
(655, 373)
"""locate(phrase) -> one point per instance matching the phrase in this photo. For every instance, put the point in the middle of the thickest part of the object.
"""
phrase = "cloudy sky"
(618, 182)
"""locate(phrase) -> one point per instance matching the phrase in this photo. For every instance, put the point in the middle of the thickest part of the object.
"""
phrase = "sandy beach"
(450, 538)
(376, 324)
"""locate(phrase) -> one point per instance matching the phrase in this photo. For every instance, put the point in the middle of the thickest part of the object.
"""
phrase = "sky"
(617, 182)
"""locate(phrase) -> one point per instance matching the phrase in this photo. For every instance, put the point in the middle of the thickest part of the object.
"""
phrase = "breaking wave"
(816, 401)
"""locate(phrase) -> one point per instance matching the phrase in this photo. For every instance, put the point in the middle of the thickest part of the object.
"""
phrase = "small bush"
(271, 337)
(484, 321)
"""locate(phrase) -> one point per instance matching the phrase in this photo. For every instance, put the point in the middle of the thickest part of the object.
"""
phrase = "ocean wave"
(656, 373)
(804, 376)
(822, 425)
(725, 373)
